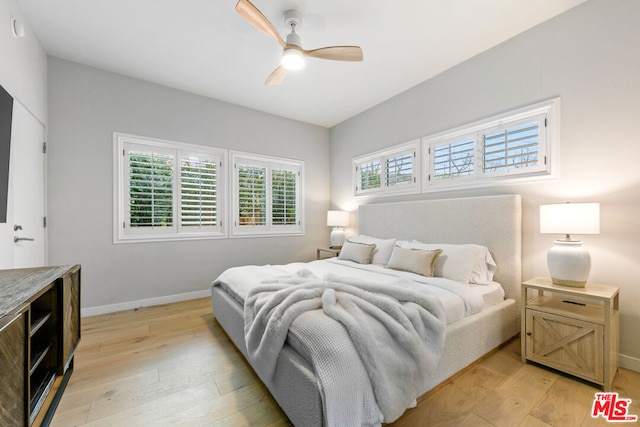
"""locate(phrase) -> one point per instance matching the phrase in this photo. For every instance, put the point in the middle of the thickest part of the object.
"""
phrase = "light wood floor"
(173, 365)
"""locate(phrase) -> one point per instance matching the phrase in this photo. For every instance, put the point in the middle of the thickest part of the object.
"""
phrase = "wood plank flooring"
(174, 365)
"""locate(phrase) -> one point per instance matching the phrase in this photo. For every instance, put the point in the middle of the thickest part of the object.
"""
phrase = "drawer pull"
(573, 302)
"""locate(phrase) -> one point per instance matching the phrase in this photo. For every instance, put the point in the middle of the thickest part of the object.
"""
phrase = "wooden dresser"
(39, 332)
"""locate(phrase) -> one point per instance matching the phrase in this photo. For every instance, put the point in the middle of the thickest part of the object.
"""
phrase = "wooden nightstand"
(330, 251)
(573, 330)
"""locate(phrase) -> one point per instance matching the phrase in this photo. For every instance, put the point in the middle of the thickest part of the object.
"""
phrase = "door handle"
(17, 239)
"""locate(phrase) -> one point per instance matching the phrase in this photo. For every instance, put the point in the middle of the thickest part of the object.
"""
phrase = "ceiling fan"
(293, 54)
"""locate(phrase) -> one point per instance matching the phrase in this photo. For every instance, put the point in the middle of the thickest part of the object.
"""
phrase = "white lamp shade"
(570, 218)
(337, 219)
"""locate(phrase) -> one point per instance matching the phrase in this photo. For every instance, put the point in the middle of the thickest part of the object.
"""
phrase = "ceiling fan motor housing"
(292, 16)
(293, 38)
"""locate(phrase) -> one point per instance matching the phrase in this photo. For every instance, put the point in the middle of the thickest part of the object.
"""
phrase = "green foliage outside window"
(252, 195)
(283, 195)
(151, 190)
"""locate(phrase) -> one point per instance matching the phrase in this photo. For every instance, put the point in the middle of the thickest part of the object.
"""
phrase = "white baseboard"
(129, 305)
(630, 363)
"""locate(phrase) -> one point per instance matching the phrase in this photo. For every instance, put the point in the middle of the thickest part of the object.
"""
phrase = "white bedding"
(492, 293)
(456, 299)
(238, 281)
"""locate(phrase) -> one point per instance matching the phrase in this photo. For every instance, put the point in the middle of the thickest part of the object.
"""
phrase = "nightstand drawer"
(569, 308)
(564, 343)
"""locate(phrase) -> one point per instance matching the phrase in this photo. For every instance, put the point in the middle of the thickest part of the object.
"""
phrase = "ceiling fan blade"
(336, 53)
(276, 77)
(248, 11)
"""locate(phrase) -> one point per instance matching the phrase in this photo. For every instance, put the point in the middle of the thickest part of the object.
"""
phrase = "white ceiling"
(205, 47)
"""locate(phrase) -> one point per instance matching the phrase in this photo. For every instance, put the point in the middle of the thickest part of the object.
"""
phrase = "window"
(388, 172)
(517, 144)
(267, 195)
(513, 148)
(369, 176)
(199, 189)
(251, 194)
(167, 190)
(150, 201)
(453, 158)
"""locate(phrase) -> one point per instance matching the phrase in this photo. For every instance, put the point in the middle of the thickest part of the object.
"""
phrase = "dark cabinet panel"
(71, 318)
(13, 360)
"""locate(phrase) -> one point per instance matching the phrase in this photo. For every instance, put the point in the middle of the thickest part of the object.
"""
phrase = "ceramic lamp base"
(336, 238)
(569, 263)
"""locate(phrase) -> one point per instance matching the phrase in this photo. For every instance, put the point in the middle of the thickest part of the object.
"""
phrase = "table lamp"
(337, 220)
(569, 263)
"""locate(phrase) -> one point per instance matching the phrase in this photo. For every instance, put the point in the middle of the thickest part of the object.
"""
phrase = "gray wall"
(86, 106)
(589, 57)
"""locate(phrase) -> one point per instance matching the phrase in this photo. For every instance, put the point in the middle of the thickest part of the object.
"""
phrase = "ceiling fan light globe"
(293, 59)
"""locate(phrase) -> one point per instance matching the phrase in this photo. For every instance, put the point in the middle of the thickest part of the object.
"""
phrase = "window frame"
(270, 163)
(546, 113)
(382, 157)
(123, 232)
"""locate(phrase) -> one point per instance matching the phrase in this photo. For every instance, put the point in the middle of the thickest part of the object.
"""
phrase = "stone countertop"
(19, 285)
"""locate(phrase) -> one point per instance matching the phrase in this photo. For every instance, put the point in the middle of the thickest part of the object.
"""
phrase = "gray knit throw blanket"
(397, 332)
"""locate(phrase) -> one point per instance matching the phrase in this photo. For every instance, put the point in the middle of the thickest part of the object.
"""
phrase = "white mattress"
(447, 290)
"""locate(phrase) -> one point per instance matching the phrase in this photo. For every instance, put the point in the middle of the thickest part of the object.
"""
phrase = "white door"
(27, 172)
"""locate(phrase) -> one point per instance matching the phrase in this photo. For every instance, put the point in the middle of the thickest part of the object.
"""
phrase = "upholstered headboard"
(492, 221)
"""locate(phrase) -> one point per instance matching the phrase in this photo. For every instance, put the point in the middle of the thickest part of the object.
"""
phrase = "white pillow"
(414, 260)
(466, 263)
(383, 250)
(357, 252)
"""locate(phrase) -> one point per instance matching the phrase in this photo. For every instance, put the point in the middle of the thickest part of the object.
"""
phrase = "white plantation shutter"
(199, 191)
(388, 172)
(267, 193)
(452, 159)
(399, 169)
(518, 146)
(284, 196)
(150, 189)
(252, 195)
(370, 176)
(166, 190)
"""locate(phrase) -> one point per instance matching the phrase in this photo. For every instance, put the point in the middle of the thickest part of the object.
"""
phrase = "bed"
(493, 222)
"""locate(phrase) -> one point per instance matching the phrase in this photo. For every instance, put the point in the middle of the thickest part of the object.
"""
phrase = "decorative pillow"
(357, 252)
(414, 260)
(466, 263)
(383, 250)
